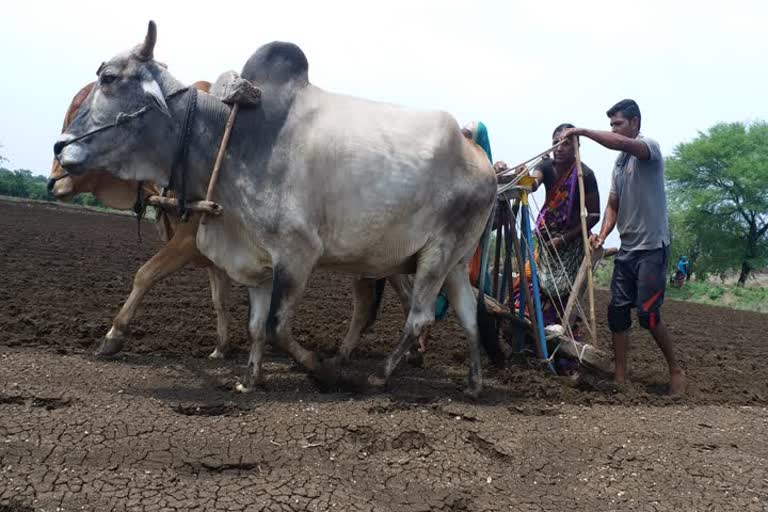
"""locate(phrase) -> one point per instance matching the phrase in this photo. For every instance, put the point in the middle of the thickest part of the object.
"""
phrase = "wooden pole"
(496, 258)
(585, 237)
(524, 292)
(512, 169)
(577, 290)
(220, 156)
(208, 207)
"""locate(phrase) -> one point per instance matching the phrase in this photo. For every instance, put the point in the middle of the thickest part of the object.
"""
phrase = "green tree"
(718, 187)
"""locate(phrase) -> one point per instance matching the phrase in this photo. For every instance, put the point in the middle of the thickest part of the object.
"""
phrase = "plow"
(518, 262)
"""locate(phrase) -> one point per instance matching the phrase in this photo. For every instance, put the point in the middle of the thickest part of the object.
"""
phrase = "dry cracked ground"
(159, 429)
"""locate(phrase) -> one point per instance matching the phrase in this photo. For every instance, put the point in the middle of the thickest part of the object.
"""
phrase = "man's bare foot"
(677, 382)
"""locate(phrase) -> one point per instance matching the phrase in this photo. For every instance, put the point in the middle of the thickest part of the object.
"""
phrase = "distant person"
(637, 205)
(684, 267)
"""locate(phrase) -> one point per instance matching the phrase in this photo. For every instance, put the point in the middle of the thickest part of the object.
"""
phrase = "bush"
(715, 293)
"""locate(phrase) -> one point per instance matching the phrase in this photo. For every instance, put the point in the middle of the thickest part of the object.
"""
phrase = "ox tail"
(487, 328)
(373, 311)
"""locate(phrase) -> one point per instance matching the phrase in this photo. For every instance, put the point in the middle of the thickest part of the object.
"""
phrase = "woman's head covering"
(480, 136)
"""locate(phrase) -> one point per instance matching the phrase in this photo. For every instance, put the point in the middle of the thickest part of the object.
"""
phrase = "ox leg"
(220, 288)
(363, 291)
(403, 286)
(173, 256)
(426, 286)
(257, 328)
(288, 283)
(459, 291)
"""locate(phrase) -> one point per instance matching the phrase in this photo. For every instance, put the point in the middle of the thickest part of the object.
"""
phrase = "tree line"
(718, 190)
(22, 183)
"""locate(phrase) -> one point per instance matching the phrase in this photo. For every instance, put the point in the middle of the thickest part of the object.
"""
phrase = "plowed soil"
(159, 429)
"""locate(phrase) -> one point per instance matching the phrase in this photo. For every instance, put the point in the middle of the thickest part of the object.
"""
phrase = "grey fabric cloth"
(557, 279)
(639, 184)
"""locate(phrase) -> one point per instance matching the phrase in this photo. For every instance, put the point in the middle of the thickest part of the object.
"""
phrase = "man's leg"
(620, 340)
(651, 286)
(677, 379)
(623, 293)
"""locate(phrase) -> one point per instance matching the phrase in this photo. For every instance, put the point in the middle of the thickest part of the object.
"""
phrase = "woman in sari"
(560, 250)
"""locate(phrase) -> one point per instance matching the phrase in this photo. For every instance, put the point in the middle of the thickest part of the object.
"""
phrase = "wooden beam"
(585, 238)
(208, 207)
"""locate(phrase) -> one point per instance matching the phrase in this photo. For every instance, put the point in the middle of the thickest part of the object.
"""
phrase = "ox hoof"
(326, 375)
(218, 354)
(337, 361)
(248, 384)
(473, 391)
(377, 381)
(110, 346)
(415, 359)
(242, 388)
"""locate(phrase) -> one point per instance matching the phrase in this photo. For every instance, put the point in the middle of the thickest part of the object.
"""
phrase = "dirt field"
(158, 428)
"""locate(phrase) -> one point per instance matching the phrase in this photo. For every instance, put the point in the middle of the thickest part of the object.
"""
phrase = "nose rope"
(177, 180)
(121, 118)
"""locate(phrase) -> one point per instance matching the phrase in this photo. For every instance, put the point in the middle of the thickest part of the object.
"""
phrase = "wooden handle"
(220, 155)
(585, 237)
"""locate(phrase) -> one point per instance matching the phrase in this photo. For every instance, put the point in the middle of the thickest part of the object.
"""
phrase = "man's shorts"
(639, 280)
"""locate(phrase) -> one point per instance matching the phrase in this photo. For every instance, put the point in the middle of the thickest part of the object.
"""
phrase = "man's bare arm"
(613, 141)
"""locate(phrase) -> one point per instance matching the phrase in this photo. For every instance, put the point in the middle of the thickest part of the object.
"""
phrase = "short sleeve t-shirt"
(639, 185)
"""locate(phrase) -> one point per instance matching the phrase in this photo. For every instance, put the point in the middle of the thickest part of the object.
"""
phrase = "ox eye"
(108, 78)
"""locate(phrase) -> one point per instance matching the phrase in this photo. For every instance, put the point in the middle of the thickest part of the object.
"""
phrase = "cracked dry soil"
(158, 429)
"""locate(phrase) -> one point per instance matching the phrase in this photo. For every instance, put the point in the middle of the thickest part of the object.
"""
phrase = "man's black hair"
(628, 109)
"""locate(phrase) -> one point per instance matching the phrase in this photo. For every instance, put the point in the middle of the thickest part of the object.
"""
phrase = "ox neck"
(206, 131)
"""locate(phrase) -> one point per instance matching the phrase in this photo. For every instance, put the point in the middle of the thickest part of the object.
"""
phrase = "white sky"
(520, 67)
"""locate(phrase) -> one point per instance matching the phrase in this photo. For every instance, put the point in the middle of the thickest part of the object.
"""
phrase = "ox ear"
(146, 51)
(155, 95)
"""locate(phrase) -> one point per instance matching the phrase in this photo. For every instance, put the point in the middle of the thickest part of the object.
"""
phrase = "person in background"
(684, 267)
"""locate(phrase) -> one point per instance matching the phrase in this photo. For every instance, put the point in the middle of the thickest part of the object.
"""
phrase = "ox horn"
(146, 50)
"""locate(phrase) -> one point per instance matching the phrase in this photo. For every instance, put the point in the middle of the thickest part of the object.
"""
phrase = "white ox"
(311, 180)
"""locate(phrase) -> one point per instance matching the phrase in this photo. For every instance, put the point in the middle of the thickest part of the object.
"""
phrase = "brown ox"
(180, 250)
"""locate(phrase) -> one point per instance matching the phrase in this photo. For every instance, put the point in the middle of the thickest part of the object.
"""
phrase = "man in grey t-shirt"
(637, 205)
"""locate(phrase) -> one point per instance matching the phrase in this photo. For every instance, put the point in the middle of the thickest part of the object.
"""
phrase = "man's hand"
(500, 166)
(570, 132)
(596, 241)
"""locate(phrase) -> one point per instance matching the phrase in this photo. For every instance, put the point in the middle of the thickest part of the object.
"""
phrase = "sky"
(521, 67)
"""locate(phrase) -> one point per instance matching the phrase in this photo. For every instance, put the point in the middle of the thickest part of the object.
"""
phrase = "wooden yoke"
(237, 92)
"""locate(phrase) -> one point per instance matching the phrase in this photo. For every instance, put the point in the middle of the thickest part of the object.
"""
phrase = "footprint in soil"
(49, 404)
(211, 410)
(535, 410)
(209, 469)
(15, 507)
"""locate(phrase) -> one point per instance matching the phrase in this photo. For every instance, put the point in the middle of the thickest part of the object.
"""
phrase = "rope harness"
(180, 156)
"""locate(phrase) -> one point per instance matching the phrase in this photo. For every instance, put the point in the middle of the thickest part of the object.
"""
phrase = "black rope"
(139, 208)
(119, 119)
(178, 182)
